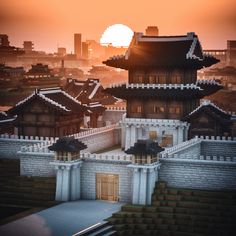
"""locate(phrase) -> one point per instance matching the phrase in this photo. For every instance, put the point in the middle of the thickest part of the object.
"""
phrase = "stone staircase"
(179, 212)
(24, 191)
(27, 191)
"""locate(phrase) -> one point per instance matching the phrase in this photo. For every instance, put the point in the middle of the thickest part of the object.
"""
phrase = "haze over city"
(52, 23)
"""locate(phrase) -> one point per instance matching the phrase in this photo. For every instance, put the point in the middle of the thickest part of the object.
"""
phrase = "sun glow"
(117, 35)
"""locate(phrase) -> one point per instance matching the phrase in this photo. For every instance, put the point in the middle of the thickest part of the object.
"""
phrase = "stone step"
(23, 195)
(27, 202)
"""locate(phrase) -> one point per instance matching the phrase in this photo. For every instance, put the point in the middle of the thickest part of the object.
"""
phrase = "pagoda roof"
(209, 86)
(210, 108)
(67, 144)
(177, 91)
(55, 98)
(145, 147)
(163, 51)
(88, 91)
(4, 117)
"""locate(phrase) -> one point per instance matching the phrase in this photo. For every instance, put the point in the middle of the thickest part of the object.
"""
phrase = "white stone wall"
(218, 148)
(10, 147)
(203, 163)
(112, 115)
(36, 157)
(101, 140)
(198, 174)
(88, 178)
(36, 165)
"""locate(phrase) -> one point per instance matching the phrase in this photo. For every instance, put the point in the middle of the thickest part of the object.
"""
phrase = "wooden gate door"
(107, 186)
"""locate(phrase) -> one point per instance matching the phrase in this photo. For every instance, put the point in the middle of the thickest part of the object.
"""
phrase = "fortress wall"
(32, 164)
(218, 148)
(35, 159)
(198, 174)
(10, 147)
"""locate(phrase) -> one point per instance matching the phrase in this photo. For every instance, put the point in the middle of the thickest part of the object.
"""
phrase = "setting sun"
(117, 35)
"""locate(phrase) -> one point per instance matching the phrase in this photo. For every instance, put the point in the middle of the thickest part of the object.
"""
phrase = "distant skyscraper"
(152, 31)
(28, 46)
(4, 40)
(78, 45)
(85, 50)
(61, 51)
(231, 52)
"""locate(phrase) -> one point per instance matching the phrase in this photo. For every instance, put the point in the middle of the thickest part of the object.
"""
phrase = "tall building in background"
(85, 50)
(78, 45)
(231, 53)
(28, 46)
(152, 31)
(4, 40)
(61, 51)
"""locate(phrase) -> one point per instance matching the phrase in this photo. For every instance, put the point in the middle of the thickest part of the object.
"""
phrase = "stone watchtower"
(162, 86)
(67, 164)
(145, 167)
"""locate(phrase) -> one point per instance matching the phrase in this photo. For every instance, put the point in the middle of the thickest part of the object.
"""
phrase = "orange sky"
(51, 22)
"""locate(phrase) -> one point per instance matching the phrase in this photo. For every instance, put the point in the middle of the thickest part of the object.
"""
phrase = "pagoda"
(162, 86)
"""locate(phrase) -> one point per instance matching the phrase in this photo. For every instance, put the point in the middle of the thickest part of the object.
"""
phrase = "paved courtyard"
(62, 220)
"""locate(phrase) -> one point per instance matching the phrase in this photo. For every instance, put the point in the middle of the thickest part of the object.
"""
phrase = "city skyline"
(52, 24)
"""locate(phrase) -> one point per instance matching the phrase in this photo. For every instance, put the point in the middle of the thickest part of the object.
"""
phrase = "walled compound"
(161, 92)
(202, 162)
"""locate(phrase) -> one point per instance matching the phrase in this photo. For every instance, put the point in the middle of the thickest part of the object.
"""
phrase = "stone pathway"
(65, 219)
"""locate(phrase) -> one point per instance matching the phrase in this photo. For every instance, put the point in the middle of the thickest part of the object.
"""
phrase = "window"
(161, 109)
(176, 79)
(139, 79)
(152, 79)
(177, 110)
(139, 109)
(136, 109)
(153, 135)
(162, 79)
(157, 109)
(174, 110)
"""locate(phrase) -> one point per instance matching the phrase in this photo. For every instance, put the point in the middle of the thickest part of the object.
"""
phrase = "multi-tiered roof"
(167, 51)
(163, 68)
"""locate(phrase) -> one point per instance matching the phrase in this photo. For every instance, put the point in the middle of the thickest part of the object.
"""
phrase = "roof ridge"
(52, 102)
(207, 102)
(69, 96)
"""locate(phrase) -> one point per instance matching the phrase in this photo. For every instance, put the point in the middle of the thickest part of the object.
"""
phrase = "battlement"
(202, 158)
(204, 148)
(25, 138)
(159, 86)
(107, 157)
(110, 108)
(154, 122)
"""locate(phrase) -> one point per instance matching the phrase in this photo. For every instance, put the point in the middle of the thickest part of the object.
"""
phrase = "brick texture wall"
(198, 174)
(10, 147)
(222, 148)
(37, 165)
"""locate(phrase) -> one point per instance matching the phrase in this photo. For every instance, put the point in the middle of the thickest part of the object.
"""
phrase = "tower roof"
(163, 51)
(207, 107)
(145, 147)
(67, 144)
(177, 91)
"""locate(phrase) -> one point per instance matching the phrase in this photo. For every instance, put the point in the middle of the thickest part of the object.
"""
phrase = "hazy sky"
(49, 23)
